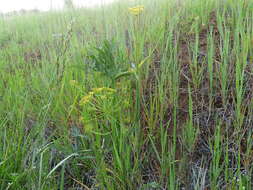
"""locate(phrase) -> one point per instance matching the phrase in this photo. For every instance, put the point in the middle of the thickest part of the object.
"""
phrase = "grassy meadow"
(157, 97)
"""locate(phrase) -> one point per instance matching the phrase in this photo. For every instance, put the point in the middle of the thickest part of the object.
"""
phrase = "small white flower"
(133, 65)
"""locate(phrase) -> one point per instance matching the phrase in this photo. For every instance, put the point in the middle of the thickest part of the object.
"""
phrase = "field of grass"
(108, 98)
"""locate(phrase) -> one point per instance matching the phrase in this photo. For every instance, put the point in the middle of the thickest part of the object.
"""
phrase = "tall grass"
(103, 99)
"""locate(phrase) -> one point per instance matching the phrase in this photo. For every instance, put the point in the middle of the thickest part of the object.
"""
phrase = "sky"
(15, 5)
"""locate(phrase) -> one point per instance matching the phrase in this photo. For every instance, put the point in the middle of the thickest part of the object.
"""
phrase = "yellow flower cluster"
(86, 99)
(103, 89)
(136, 10)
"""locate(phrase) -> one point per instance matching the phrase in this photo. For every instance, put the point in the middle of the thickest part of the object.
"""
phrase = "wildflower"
(97, 90)
(136, 10)
(105, 89)
(133, 65)
(110, 90)
(86, 99)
